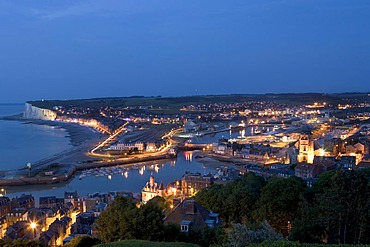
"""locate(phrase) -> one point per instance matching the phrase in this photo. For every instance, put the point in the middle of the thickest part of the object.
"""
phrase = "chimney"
(176, 201)
(190, 206)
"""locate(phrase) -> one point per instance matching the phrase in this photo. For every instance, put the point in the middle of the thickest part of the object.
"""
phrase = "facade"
(139, 146)
(24, 201)
(306, 149)
(151, 190)
(48, 201)
(19, 230)
(151, 147)
(4, 206)
(83, 224)
(191, 183)
(190, 126)
(16, 214)
(308, 171)
(347, 162)
(291, 156)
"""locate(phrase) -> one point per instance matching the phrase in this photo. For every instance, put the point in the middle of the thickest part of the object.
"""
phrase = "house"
(49, 238)
(222, 148)
(347, 162)
(100, 207)
(19, 230)
(60, 227)
(37, 215)
(192, 216)
(190, 126)
(363, 165)
(3, 226)
(306, 171)
(291, 156)
(191, 183)
(84, 222)
(320, 159)
(16, 214)
(4, 205)
(24, 201)
(47, 201)
(281, 170)
(151, 147)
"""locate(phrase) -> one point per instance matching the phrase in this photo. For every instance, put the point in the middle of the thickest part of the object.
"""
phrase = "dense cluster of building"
(56, 220)
(283, 141)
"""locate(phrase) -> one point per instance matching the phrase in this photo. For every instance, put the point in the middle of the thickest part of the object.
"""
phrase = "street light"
(33, 226)
(29, 166)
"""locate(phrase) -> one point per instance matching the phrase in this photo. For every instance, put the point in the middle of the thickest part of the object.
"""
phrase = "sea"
(22, 142)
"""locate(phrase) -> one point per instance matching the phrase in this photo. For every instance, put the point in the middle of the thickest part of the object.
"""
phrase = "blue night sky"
(82, 49)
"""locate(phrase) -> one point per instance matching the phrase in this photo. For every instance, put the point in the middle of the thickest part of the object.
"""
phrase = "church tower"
(306, 149)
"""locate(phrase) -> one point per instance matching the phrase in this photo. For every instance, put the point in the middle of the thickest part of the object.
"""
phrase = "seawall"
(22, 180)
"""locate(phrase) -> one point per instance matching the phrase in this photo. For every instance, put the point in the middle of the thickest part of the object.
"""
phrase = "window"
(184, 228)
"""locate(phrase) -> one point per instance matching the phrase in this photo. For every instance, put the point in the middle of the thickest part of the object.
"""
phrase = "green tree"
(122, 220)
(21, 243)
(234, 201)
(308, 228)
(279, 203)
(113, 223)
(146, 222)
(242, 235)
(343, 204)
(171, 232)
(82, 241)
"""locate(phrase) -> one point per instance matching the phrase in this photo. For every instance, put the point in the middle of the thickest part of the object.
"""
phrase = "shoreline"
(82, 139)
(77, 134)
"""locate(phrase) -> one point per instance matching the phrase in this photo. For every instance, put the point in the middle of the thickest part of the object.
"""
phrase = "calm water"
(134, 180)
(21, 143)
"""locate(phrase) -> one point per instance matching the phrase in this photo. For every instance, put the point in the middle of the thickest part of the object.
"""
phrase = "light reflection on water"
(52, 140)
(130, 179)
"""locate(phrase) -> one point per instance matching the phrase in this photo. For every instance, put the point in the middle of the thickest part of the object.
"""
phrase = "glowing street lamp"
(33, 226)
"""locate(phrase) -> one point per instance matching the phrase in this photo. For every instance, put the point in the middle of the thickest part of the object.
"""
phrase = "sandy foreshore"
(80, 137)
(212, 162)
(77, 134)
(83, 140)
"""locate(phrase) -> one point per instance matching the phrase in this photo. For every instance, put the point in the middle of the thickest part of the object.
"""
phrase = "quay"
(62, 173)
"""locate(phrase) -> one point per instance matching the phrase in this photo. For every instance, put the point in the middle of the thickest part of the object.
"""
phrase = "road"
(109, 140)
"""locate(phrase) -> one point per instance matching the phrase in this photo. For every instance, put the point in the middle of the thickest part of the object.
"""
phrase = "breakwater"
(47, 179)
(128, 161)
(69, 170)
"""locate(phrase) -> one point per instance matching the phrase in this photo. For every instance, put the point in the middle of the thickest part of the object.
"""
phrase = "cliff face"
(33, 112)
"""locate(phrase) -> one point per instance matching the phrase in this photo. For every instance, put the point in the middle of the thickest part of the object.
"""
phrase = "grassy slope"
(143, 243)
(295, 244)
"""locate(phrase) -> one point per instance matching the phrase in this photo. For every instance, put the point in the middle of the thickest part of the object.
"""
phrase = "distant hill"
(178, 102)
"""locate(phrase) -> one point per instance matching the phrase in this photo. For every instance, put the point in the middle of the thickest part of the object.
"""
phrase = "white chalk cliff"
(33, 112)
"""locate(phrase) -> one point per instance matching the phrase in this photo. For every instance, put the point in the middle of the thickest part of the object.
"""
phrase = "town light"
(33, 225)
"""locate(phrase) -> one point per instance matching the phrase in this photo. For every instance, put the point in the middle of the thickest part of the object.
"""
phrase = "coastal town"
(270, 136)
